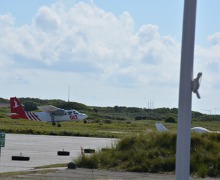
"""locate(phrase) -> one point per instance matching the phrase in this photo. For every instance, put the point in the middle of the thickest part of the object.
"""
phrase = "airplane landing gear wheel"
(58, 125)
(53, 123)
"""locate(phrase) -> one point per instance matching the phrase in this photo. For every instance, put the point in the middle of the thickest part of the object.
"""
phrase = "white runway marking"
(42, 149)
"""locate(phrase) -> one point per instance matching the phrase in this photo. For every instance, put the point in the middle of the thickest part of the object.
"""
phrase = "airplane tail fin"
(17, 110)
(160, 127)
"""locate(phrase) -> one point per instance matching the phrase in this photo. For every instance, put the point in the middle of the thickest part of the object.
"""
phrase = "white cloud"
(47, 19)
(6, 20)
(91, 42)
(214, 39)
(207, 62)
(98, 53)
(148, 33)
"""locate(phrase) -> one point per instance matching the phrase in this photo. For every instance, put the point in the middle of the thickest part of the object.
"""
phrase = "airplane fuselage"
(46, 117)
(50, 113)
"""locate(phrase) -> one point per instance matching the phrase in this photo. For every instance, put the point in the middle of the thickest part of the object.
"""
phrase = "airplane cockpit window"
(75, 112)
(69, 112)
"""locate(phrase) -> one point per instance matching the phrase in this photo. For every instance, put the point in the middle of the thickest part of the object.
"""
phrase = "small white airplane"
(161, 128)
(50, 114)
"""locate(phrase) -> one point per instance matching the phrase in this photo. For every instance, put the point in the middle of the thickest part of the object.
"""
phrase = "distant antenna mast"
(69, 94)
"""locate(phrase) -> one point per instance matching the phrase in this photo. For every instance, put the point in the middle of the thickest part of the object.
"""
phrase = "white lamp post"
(185, 91)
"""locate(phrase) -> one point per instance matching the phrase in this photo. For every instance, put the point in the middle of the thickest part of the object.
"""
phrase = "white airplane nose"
(85, 116)
(82, 116)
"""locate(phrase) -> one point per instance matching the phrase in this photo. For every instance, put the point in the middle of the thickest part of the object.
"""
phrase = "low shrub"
(156, 153)
(170, 120)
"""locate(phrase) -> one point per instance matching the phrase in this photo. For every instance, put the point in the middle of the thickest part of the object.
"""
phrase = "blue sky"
(110, 53)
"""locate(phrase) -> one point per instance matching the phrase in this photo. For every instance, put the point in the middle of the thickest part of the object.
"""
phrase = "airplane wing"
(160, 127)
(52, 110)
(48, 108)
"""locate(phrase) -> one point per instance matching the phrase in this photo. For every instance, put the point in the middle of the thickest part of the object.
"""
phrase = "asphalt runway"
(42, 150)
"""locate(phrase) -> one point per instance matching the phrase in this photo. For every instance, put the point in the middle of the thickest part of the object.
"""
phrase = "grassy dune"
(155, 153)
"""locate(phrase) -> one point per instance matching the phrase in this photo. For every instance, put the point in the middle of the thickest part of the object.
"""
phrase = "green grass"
(156, 153)
(114, 129)
(100, 129)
